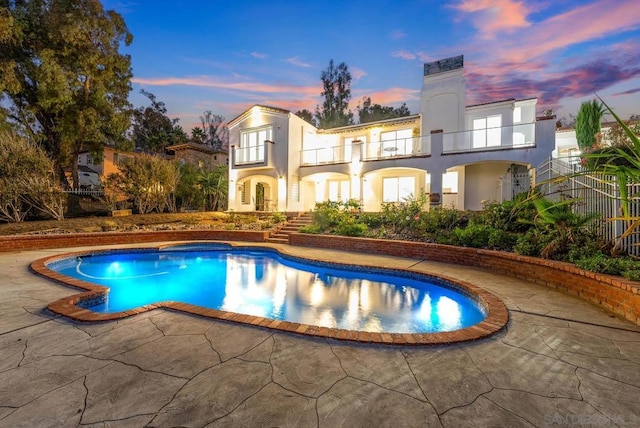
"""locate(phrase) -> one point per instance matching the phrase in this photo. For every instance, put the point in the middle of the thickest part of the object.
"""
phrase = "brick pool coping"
(12, 243)
(495, 320)
(613, 293)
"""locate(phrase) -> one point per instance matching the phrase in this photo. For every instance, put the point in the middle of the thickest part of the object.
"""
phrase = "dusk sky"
(225, 56)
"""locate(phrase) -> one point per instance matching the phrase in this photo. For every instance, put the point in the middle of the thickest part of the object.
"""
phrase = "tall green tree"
(27, 180)
(152, 129)
(215, 130)
(588, 123)
(370, 112)
(336, 93)
(63, 80)
(307, 116)
(150, 181)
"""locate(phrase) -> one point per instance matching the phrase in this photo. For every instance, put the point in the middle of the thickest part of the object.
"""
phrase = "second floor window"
(487, 131)
(251, 148)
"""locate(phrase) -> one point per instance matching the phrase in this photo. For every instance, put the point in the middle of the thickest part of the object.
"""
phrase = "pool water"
(266, 284)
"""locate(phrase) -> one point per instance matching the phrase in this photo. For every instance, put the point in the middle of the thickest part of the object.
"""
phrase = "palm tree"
(567, 224)
(623, 163)
(214, 186)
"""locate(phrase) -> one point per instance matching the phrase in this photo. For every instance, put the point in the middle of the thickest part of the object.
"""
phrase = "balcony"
(252, 156)
(404, 147)
(499, 138)
(326, 155)
(479, 140)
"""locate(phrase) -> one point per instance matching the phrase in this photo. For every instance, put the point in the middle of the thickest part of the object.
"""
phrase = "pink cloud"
(398, 34)
(211, 82)
(494, 16)
(537, 61)
(389, 96)
(579, 25)
(404, 55)
(357, 73)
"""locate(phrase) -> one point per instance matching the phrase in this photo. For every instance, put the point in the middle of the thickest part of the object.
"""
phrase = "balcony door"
(339, 190)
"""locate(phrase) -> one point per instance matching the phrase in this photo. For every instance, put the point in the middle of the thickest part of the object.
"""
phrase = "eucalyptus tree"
(215, 130)
(336, 93)
(370, 112)
(63, 81)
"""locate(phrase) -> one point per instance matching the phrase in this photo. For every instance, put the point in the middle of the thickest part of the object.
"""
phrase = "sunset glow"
(225, 57)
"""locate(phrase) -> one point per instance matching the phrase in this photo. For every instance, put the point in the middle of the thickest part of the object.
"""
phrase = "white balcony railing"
(250, 154)
(403, 147)
(326, 155)
(499, 138)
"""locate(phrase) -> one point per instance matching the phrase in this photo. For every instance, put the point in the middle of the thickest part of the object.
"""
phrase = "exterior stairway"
(281, 235)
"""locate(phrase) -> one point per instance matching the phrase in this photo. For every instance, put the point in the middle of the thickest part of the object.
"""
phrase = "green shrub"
(474, 235)
(372, 220)
(311, 228)
(601, 263)
(501, 240)
(441, 218)
(278, 217)
(512, 216)
(532, 242)
(351, 229)
(404, 215)
(327, 215)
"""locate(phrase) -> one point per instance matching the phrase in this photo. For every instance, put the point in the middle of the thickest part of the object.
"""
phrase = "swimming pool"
(264, 283)
(78, 306)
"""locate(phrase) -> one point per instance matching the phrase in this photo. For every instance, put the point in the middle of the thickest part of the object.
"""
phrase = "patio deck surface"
(559, 362)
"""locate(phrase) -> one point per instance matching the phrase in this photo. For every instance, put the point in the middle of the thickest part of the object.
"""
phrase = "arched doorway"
(263, 199)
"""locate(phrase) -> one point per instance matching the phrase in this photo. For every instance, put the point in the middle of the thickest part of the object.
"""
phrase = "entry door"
(339, 190)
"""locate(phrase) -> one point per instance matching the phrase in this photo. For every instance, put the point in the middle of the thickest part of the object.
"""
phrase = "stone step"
(278, 240)
(279, 235)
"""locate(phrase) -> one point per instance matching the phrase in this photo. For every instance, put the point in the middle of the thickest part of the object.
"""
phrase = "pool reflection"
(264, 284)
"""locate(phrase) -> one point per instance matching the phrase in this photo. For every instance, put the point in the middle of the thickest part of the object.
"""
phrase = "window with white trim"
(244, 196)
(487, 131)
(398, 189)
(251, 148)
(517, 115)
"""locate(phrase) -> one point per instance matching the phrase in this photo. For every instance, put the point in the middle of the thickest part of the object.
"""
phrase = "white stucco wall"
(372, 185)
(482, 182)
(442, 102)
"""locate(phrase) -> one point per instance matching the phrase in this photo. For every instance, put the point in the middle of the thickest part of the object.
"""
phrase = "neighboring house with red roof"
(200, 155)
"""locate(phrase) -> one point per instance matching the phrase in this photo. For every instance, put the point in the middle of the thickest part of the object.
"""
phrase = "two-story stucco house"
(460, 155)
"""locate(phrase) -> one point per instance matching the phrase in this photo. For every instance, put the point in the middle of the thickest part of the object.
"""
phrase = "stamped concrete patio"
(560, 362)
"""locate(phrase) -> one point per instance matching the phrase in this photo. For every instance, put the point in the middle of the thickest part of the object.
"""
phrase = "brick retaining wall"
(611, 292)
(40, 242)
